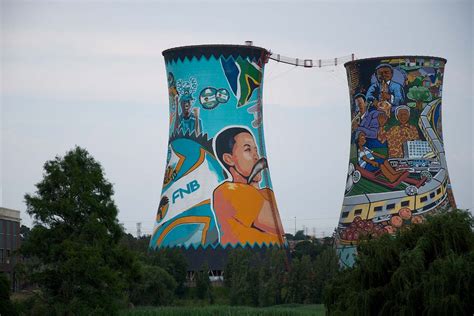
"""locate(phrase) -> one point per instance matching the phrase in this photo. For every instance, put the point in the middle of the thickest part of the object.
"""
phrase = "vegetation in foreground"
(83, 263)
(427, 269)
(279, 310)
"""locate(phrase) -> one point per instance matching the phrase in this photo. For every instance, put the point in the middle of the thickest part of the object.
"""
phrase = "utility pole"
(139, 229)
(295, 225)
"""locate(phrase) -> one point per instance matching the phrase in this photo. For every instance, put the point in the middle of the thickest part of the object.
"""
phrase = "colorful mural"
(397, 168)
(217, 188)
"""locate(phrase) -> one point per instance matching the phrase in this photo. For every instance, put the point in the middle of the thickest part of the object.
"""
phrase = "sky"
(91, 73)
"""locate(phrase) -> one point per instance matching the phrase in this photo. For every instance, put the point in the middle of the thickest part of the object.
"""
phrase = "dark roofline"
(395, 57)
(217, 50)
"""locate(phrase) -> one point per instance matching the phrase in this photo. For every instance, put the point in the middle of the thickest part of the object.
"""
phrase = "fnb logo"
(190, 188)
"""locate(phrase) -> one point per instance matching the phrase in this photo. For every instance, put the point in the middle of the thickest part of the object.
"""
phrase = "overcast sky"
(92, 74)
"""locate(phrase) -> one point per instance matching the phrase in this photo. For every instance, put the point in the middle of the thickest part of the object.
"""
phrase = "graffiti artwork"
(217, 188)
(397, 168)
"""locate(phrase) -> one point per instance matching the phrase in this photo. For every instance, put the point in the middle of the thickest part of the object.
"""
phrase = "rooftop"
(9, 214)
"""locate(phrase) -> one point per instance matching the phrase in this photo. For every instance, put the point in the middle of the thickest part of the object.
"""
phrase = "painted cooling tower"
(397, 168)
(217, 191)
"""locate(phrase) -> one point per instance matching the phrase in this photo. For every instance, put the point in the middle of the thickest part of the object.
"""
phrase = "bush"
(156, 287)
(203, 284)
(241, 276)
(173, 262)
(425, 269)
(6, 306)
(301, 277)
(273, 278)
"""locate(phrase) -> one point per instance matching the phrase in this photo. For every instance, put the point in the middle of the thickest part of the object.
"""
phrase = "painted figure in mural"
(172, 90)
(385, 90)
(162, 208)
(173, 96)
(366, 121)
(188, 121)
(399, 134)
(372, 161)
(244, 211)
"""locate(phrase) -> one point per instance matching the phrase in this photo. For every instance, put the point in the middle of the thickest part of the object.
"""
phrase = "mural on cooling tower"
(397, 169)
(217, 188)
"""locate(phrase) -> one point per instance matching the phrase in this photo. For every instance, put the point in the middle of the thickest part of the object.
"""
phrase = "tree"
(424, 269)
(325, 267)
(300, 280)
(173, 262)
(6, 306)
(289, 236)
(203, 284)
(138, 245)
(74, 246)
(273, 278)
(419, 95)
(24, 232)
(242, 277)
(308, 248)
(300, 235)
(156, 287)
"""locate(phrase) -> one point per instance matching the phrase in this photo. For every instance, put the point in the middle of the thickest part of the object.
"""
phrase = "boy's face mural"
(384, 74)
(244, 156)
(361, 139)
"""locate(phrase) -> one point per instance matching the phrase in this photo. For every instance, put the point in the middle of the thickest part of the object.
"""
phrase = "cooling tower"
(217, 193)
(397, 167)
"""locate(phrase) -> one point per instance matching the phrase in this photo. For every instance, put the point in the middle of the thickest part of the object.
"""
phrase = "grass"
(278, 310)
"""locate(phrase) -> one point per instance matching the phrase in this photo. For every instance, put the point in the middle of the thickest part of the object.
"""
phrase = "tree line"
(81, 262)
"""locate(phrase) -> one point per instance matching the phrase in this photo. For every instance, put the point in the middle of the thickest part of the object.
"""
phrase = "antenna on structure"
(139, 229)
(248, 43)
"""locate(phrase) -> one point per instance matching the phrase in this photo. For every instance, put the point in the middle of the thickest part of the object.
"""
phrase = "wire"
(311, 63)
(280, 74)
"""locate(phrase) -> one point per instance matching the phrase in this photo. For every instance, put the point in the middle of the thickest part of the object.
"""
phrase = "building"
(209, 203)
(386, 202)
(9, 242)
(416, 149)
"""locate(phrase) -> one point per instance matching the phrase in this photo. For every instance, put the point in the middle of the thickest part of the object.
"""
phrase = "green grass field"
(279, 310)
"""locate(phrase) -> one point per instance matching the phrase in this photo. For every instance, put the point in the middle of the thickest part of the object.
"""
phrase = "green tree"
(273, 278)
(74, 246)
(24, 232)
(300, 280)
(289, 236)
(420, 95)
(425, 269)
(155, 287)
(300, 235)
(242, 277)
(308, 248)
(138, 245)
(325, 268)
(6, 306)
(203, 284)
(174, 262)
